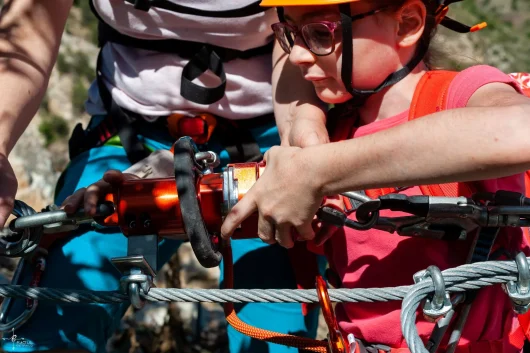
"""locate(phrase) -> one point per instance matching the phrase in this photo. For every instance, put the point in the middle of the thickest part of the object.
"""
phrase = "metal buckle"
(209, 160)
(519, 291)
(138, 276)
(440, 303)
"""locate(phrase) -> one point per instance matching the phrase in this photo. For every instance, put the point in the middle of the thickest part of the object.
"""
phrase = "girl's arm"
(300, 115)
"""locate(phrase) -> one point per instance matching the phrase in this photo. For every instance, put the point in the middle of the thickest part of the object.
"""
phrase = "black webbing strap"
(237, 139)
(183, 48)
(347, 55)
(206, 59)
(124, 123)
(249, 10)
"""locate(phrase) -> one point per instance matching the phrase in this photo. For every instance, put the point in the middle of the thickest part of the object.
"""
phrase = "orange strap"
(449, 190)
(430, 97)
(522, 332)
(257, 333)
(430, 94)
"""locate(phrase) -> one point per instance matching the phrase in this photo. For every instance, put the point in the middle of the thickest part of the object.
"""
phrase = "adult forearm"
(457, 145)
(30, 33)
(20, 95)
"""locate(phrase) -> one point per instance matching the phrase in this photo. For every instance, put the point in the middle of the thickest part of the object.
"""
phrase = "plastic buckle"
(519, 291)
(440, 303)
(199, 127)
(336, 343)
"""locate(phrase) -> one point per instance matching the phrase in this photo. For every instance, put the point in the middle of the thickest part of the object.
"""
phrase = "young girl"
(368, 58)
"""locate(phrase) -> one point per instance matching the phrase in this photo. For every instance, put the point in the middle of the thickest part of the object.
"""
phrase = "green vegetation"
(53, 128)
(77, 64)
(88, 19)
(79, 95)
(504, 43)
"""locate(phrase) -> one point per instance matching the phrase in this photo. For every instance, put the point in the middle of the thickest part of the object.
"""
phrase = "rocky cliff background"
(41, 155)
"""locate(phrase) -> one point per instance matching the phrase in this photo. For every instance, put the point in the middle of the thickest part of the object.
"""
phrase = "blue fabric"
(83, 262)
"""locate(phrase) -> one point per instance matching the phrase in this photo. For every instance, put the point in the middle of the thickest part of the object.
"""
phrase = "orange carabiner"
(336, 343)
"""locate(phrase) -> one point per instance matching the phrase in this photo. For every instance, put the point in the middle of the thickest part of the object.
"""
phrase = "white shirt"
(148, 82)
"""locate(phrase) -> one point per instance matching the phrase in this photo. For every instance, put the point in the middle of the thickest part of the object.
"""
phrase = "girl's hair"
(433, 54)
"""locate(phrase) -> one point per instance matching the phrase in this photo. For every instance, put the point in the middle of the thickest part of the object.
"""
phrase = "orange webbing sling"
(257, 333)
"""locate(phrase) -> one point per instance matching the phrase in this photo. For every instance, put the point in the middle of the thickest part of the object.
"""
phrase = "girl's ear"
(411, 23)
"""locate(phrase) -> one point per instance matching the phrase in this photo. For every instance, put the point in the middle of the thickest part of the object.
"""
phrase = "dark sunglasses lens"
(318, 37)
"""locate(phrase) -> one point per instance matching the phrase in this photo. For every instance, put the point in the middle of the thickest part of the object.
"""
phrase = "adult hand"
(286, 196)
(90, 196)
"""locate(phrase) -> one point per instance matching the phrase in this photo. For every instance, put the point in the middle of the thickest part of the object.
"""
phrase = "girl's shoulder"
(468, 81)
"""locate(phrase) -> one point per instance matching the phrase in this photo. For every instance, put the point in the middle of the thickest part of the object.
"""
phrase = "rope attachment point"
(519, 291)
(439, 304)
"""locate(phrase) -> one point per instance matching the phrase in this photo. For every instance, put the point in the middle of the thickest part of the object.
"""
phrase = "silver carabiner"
(31, 305)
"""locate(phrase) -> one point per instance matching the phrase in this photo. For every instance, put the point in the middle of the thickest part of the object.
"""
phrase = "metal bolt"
(147, 223)
(132, 224)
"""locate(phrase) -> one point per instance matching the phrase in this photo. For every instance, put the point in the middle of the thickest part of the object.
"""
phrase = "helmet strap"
(281, 17)
(347, 59)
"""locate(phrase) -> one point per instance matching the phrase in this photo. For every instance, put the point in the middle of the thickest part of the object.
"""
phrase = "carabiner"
(336, 343)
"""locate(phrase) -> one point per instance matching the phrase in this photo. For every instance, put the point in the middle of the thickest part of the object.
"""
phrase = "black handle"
(186, 170)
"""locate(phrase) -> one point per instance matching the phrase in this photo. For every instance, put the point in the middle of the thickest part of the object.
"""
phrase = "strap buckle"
(199, 127)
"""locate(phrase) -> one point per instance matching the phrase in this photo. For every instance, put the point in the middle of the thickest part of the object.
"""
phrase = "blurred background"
(42, 153)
